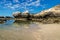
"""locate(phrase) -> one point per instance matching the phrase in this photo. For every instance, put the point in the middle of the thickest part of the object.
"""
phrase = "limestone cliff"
(54, 11)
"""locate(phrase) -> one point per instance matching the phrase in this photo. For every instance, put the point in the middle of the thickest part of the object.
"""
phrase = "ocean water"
(28, 30)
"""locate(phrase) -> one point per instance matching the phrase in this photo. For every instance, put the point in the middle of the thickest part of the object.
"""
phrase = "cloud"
(25, 4)
(22, 5)
(15, 0)
(35, 3)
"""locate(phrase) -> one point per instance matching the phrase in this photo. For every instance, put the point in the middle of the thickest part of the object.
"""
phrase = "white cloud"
(15, 0)
(16, 5)
(36, 2)
(12, 8)
(31, 10)
(30, 0)
(23, 5)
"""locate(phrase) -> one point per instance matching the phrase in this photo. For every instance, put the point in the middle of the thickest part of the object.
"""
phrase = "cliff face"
(25, 14)
(54, 11)
(17, 14)
(21, 15)
(51, 15)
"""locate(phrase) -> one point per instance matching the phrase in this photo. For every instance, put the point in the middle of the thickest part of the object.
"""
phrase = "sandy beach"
(35, 31)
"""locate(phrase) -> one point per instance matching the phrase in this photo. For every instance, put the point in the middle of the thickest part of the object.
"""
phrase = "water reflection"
(12, 24)
(8, 22)
(22, 30)
(28, 30)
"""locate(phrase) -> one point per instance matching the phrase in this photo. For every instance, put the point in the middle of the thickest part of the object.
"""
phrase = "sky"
(7, 7)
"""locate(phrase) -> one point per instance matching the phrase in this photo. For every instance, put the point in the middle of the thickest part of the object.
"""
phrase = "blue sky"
(7, 7)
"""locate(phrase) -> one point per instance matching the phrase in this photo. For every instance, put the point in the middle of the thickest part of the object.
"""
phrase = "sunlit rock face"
(25, 14)
(54, 11)
(17, 14)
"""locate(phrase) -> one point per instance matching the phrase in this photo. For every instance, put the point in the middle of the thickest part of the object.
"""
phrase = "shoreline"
(41, 20)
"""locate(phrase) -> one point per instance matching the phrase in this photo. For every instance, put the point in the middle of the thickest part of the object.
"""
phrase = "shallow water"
(29, 30)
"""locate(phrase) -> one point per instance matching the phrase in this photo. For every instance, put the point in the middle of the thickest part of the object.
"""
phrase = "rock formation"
(25, 14)
(54, 11)
(17, 14)
(49, 15)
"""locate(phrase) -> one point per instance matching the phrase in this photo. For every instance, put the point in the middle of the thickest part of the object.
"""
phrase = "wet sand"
(35, 31)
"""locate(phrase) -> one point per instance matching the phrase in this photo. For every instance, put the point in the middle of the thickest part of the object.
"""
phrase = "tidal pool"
(29, 30)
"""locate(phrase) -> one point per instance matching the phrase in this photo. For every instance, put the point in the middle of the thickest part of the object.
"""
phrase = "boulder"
(17, 14)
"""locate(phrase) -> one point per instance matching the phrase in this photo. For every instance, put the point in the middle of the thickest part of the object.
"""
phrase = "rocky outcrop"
(51, 15)
(17, 14)
(2, 17)
(52, 12)
(46, 16)
(25, 14)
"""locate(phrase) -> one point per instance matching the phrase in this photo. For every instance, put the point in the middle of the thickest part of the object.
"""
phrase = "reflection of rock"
(1, 22)
(8, 17)
(2, 19)
(22, 22)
